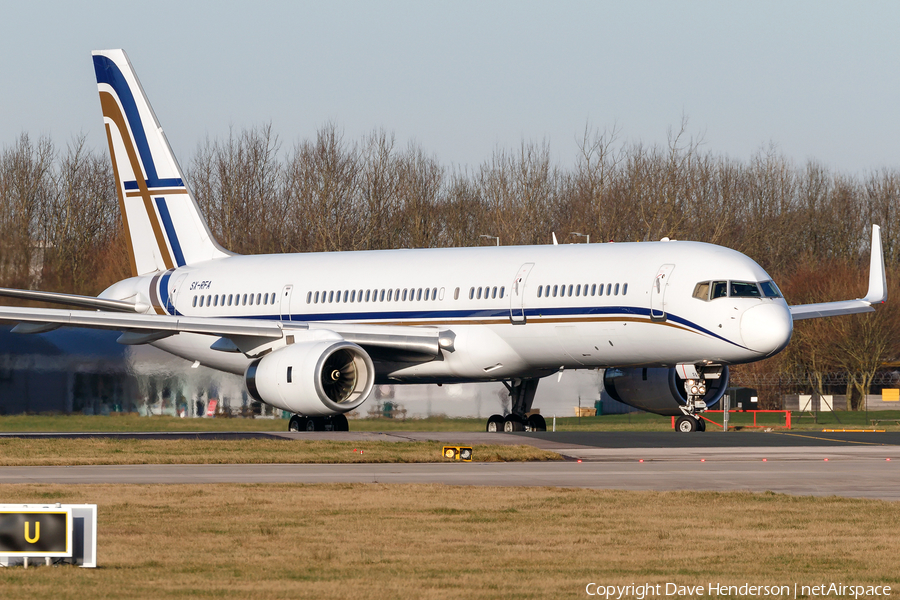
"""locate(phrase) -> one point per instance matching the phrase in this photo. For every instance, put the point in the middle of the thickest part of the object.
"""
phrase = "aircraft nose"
(767, 328)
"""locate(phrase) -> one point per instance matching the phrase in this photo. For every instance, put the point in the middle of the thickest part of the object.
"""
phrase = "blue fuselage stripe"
(445, 315)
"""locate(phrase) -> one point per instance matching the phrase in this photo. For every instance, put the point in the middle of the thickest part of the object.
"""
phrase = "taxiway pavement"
(862, 465)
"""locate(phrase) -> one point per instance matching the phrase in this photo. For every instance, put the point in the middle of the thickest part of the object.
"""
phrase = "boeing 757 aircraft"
(313, 333)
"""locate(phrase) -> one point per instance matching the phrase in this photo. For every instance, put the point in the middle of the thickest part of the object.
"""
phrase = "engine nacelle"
(313, 378)
(658, 390)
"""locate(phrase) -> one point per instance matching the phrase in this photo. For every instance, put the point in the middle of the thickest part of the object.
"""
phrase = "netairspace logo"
(662, 590)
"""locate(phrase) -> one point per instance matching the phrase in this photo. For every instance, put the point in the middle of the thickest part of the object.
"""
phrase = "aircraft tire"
(701, 424)
(494, 424)
(513, 423)
(339, 423)
(686, 424)
(296, 423)
(537, 423)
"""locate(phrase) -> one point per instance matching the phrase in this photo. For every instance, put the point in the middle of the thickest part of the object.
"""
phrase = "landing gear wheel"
(686, 424)
(494, 424)
(339, 423)
(537, 423)
(513, 423)
(297, 423)
(313, 424)
(701, 424)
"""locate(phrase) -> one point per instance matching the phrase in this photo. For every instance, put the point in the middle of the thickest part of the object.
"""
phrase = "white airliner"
(312, 333)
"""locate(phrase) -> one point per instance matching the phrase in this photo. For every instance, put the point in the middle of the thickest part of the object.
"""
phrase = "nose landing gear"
(695, 391)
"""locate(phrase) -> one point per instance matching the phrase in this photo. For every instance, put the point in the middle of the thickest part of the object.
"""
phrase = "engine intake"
(315, 378)
(658, 390)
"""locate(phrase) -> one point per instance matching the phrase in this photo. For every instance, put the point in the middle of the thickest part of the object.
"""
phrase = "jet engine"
(659, 390)
(313, 378)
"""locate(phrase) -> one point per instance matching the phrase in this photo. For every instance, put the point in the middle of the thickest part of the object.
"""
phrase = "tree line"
(806, 224)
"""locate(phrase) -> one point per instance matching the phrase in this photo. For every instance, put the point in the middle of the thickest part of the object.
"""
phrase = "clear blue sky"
(820, 80)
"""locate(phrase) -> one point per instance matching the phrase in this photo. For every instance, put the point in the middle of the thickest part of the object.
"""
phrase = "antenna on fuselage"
(555, 243)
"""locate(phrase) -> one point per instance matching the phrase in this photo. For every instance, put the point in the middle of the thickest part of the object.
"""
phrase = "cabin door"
(517, 295)
(173, 295)
(658, 293)
(286, 302)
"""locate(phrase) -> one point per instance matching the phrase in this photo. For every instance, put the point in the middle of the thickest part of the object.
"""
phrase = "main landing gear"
(332, 423)
(521, 392)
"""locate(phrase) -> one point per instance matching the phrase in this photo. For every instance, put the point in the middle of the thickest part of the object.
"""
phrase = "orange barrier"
(787, 417)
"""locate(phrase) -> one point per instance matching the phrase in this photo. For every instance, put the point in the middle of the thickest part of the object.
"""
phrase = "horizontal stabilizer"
(75, 300)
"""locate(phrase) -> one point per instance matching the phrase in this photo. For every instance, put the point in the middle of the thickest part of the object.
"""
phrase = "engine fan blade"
(339, 376)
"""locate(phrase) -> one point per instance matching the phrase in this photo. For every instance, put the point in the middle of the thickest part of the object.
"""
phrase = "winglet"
(877, 293)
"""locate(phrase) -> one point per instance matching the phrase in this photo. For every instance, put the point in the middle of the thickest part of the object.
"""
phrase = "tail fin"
(162, 220)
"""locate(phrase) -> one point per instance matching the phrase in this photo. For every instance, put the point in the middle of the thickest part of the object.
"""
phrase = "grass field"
(45, 452)
(423, 541)
(629, 422)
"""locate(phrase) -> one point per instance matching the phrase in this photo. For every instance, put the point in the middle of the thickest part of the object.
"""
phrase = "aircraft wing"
(403, 344)
(877, 293)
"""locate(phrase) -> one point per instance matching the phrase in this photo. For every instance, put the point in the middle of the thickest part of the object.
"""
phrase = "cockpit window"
(770, 290)
(744, 289)
(701, 291)
(710, 290)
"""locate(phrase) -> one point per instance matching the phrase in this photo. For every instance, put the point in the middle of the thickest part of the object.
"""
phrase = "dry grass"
(426, 541)
(100, 451)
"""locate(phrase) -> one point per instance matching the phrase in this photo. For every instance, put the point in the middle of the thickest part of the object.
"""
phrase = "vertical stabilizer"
(162, 220)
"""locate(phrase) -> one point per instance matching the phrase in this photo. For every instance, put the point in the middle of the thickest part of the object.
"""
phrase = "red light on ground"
(702, 460)
(642, 460)
(579, 460)
(826, 460)
(765, 459)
